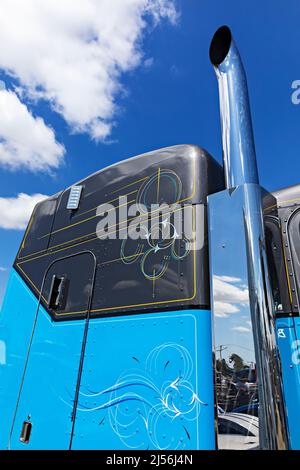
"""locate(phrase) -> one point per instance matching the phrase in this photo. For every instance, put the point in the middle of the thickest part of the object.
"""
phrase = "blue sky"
(165, 92)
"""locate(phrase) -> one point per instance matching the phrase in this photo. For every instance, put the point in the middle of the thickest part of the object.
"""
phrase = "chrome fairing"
(236, 215)
(248, 378)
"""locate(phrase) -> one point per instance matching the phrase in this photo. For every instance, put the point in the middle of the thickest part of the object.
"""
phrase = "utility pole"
(220, 349)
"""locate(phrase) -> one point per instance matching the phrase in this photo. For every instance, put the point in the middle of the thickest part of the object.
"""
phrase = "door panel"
(147, 383)
(50, 378)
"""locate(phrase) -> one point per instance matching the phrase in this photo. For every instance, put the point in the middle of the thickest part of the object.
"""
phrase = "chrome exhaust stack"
(237, 135)
(242, 201)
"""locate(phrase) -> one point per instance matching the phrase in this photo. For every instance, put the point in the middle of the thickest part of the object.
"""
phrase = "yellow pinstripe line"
(161, 302)
(119, 259)
(286, 271)
(92, 233)
(90, 239)
(66, 227)
(108, 202)
(57, 251)
(130, 184)
(140, 217)
(81, 221)
(26, 233)
(69, 226)
(143, 304)
(89, 218)
(73, 239)
(35, 287)
(282, 202)
(156, 303)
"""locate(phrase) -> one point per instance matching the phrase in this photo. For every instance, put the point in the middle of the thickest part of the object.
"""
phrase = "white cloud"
(241, 329)
(230, 279)
(15, 212)
(229, 295)
(2, 269)
(230, 291)
(223, 309)
(25, 141)
(72, 52)
(148, 62)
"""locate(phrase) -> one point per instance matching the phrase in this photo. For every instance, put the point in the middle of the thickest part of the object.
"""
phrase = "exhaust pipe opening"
(220, 45)
(237, 134)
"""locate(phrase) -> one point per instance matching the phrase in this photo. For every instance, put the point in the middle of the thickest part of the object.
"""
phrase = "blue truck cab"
(154, 304)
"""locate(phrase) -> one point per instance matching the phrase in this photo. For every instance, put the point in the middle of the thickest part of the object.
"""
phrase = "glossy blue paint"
(52, 369)
(16, 321)
(288, 340)
(49, 384)
(152, 370)
(147, 383)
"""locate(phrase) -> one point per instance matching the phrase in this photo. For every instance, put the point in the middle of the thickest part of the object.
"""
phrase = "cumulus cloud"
(72, 53)
(241, 329)
(25, 140)
(229, 295)
(148, 62)
(230, 279)
(15, 212)
(224, 309)
(2, 269)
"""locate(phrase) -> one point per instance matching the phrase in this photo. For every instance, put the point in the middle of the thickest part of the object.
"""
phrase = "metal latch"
(57, 291)
(26, 432)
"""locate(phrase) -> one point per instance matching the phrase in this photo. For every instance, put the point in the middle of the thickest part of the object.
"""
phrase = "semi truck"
(155, 303)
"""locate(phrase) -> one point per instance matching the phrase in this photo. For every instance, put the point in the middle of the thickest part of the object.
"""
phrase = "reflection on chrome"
(237, 250)
(237, 396)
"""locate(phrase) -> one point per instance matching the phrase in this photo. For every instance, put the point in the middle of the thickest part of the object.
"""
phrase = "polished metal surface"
(247, 370)
(246, 262)
(237, 135)
(235, 357)
(287, 197)
(272, 412)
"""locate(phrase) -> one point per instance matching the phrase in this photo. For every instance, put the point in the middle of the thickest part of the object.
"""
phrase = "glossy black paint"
(68, 284)
(183, 174)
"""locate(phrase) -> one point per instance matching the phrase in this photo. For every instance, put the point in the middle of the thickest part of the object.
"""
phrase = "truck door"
(46, 406)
